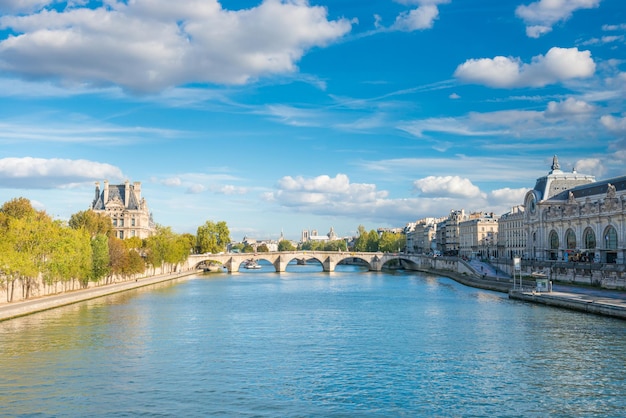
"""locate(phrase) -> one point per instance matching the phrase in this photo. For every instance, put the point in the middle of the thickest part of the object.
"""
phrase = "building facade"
(478, 236)
(512, 233)
(581, 220)
(421, 236)
(128, 211)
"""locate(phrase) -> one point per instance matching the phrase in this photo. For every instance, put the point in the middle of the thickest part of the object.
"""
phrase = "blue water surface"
(308, 343)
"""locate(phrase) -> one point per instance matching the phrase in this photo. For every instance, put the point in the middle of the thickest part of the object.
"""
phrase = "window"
(610, 238)
(554, 240)
(570, 239)
(590, 239)
(132, 222)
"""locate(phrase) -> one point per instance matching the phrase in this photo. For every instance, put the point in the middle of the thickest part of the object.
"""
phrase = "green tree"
(237, 247)
(119, 260)
(92, 222)
(390, 242)
(262, 248)
(212, 237)
(285, 245)
(360, 244)
(336, 245)
(18, 208)
(372, 241)
(100, 257)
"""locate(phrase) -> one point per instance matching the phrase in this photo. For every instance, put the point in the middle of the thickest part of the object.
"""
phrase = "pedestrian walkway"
(29, 306)
(592, 300)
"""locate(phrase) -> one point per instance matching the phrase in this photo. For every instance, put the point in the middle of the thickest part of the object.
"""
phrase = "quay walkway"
(604, 302)
(26, 307)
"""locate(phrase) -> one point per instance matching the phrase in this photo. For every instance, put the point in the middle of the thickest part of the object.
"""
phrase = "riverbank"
(44, 303)
(577, 298)
(598, 302)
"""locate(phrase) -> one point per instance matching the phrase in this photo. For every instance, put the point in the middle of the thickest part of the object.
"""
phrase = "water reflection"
(291, 344)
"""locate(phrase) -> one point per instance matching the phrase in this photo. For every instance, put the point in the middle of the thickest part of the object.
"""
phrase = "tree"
(391, 243)
(18, 208)
(372, 241)
(212, 237)
(360, 244)
(92, 222)
(285, 245)
(100, 257)
(119, 260)
(263, 248)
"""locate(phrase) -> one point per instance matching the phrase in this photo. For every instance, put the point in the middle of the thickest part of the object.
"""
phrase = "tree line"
(34, 246)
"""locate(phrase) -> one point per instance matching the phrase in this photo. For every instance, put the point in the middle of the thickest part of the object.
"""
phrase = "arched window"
(589, 237)
(554, 240)
(570, 239)
(554, 245)
(610, 238)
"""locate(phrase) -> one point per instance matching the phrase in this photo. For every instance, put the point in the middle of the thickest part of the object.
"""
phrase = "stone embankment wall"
(38, 288)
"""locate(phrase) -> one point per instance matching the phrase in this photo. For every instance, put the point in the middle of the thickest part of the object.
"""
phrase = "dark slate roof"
(597, 188)
(117, 191)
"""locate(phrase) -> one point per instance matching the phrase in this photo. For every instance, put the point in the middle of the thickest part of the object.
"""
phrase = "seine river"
(307, 343)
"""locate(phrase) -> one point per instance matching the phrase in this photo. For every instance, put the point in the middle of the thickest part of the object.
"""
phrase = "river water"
(308, 343)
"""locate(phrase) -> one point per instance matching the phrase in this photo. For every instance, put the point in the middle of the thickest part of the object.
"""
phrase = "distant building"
(421, 236)
(478, 235)
(572, 217)
(512, 233)
(127, 209)
(448, 234)
(313, 236)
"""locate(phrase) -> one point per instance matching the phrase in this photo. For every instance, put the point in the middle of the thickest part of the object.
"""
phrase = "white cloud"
(338, 197)
(559, 64)
(569, 107)
(541, 15)
(507, 196)
(21, 6)
(40, 173)
(172, 182)
(230, 189)
(149, 45)
(614, 124)
(571, 119)
(446, 186)
(195, 189)
(592, 166)
(454, 96)
(422, 17)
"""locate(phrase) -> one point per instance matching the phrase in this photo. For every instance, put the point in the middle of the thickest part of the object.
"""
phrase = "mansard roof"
(117, 192)
(598, 189)
(558, 181)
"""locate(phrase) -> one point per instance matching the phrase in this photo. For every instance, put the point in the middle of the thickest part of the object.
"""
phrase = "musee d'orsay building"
(127, 209)
(572, 217)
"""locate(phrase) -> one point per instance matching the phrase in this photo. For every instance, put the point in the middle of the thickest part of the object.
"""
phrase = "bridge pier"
(280, 264)
(329, 265)
(232, 265)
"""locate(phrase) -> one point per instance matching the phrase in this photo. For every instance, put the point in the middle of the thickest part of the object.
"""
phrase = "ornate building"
(572, 217)
(127, 209)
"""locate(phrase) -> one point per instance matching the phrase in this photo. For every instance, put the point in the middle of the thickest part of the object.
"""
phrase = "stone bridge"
(328, 259)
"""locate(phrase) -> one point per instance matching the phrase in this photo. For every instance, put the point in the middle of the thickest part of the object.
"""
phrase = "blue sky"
(291, 115)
